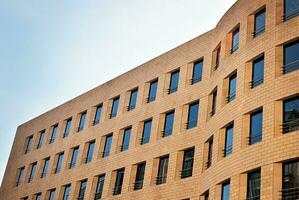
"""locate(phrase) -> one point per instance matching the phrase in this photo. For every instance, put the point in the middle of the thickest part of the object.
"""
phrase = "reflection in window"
(187, 167)
(291, 57)
(291, 9)
(232, 88)
(126, 139)
(67, 128)
(228, 146)
(152, 91)
(290, 180)
(257, 72)
(100, 186)
(259, 22)
(225, 193)
(253, 185)
(54, 133)
(114, 107)
(97, 116)
(291, 115)
(162, 170)
(138, 184)
(146, 133)
(82, 190)
(168, 124)
(174, 82)
(107, 147)
(74, 157)
(90, 152)
(256, 127)
(235, 40)
(197, 72)
(82, 121)
(118, 181)
(29, 144)
(193, 115)
(66, 193)
(133, 99)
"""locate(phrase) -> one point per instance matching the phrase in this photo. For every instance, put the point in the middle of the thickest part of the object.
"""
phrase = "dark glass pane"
(114, 107)
(192, 115)
(235, 40)
(253, 185)
(133, 99)
(52, 195)
(210, 153)
(146, 132)
(291, 115)
(66, 193)
(259, 22)
(82, 189)
(29, 144)
(214, 101)
(59, 163)
(118, 181)
(100, 186)
(139, 176)
(67, 129)
(32, 173)
(41, 139)
(187, 163)
(256, 127)
(168, 125)
(82, 121)
(197, 72)
(232, 87)
(74, 157)
(162, 170)
(257, 72)
(107, 145)
(291, 57)
(90, 152)
(229, 140)
(97, 116)
(174, 81)
(45, 169)
(206, 196)
(54, 133)
(225, 191)
(152, 91)
(290, 180)
(291, 9)
(126, 139)
(20, 176)
(38, 196)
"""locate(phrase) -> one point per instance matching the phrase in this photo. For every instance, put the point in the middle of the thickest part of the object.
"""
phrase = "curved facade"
(216, 117)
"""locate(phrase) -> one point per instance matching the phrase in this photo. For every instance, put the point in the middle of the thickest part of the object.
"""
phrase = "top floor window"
(152, 91)
(54, 133)
(97, 116)
(259, 22)
(291, 9)
(235, 40)
(82, 121)
(41, 139)
(197, 72)
(29, 144)
(168, 124)
(232, 88)
(193, 115)
(133, 99)
(291, 57)
(291, 114)
(67, 128)
(290, 180)
(187, 167)
(174, 81)
(114, 107)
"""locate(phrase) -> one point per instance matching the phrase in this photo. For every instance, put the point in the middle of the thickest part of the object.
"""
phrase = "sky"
(52, 50)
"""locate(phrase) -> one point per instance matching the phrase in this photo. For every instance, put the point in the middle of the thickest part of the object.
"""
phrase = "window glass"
(38, 196)
(235, 40)
(41, 139)
(193, 115)
(229, 133)
(290, 179)
(46, 166)
(162, 170)
(82, 189)
(291, 115)
(210, 152)
(139, 176)
(214, 101)
(168, 124)
(187, 163)
(97, 116)
(225, 191)
(107, 147)
(59, 163)
(100, 186)
(152, 91)
(118, 181)
(253, 185)
(74, 157)
(20, 176)
(291, 9)
(32, 173)
(29, 144)
(197, 72)
(90, 152)
(257, 72)
(232, 88)
(67, 129)
(114, 107)
(54, 133)
(133, 99)
(67, 190)
(52, 195)
(126, 139)
(82, 121)
(259, 22)
(174, 81)
(291, 57)
(256, 127)
(146, 132)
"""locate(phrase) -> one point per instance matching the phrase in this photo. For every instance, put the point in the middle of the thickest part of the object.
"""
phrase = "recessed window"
(67, 128)
(118, 181)
(213, 102)
(206, 195)
(138, 184)
(229, 138)
(192, 115)
(100, 186)
(291, 9)
(146, 133)
(187, 167)
(45, 168)
(66, 192)
(114, 107)
(174, 82)
(162, 170)
(82, 189)
(168, 124)
(25, 198)
(29, 144)
(97, 116)
(126, 139)
(225, 192)
(197, 72)
(259, 23)
(38, 196)
(290, 115)
(82, 121)
(253, 185)
(152, 91)
(89, 152)
(257, 72)
(290, 180)
(210, 152)
(54, 133)
(133, 99)
(20, 177)
(256, 127)
(291, 57)
(216, 57)
(107, 146)
(41, 139)
(59, 163)
(232, 88)
(32, 172)
(235, 40)
(74, 157)
(51, 194)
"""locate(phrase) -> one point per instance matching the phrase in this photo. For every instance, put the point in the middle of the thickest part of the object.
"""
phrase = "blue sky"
(52, 51)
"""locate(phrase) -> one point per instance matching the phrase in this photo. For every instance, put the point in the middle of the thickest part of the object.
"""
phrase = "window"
(259, 23)
(29, 144)
(214, 101)
(291, 9)
(290, 115)
(133, 99)
(118, 181)
(97, 116)
(290, 180)
(66, 192)
(74, 157)
(168, 124)
(51, 194)
(210, 152)
(38, 196)
(25, 198)
(139, 176)
(291, 57)
(45, 168)
(216, 57)
(152, 91)
(82, 190)
(228, 146)
(225, 192)
(146, 133)
(232, 88)
(114, 107)
(82, 121)
(162, 170)
(256, 127)
(187, 167)
(54, 133)
(253, 185)
(107, 146)
(197, 72)
(257, 72)
(100, 186)
(206, 195)
(235, 40)
(67, 128)
(192, 115)
(32, 172)
(40, 139)
(174, 81)
(126, 139)
(59, 163)
(20, 177)
(89, 152)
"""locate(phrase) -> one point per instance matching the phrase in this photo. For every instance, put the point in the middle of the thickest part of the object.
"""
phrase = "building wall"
(267, 155)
